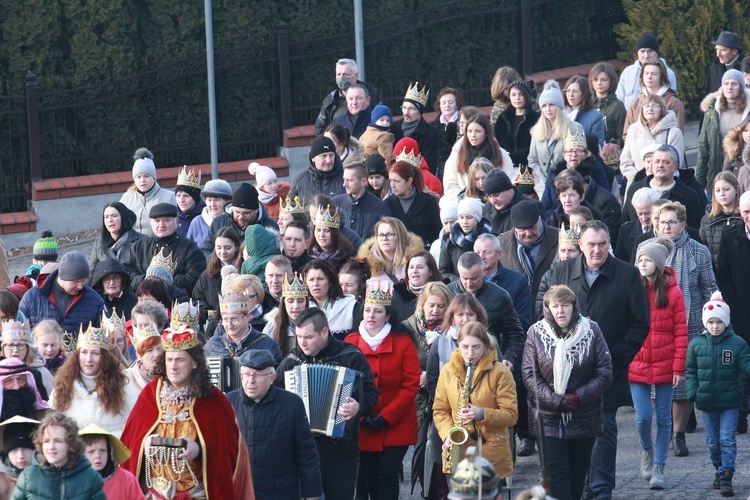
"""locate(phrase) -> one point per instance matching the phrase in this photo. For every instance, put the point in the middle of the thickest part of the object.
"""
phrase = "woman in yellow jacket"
(492, 406)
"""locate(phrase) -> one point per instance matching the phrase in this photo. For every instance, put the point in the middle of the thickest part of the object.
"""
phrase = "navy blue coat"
(361, 216)
(218, 344)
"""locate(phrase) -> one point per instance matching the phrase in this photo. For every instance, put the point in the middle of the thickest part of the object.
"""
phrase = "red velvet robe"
(226, 464)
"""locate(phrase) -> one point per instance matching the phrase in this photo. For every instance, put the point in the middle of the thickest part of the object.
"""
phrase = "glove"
(375, 423)
(569, 403)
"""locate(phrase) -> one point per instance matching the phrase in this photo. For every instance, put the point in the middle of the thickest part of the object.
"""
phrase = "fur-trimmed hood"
(732, 143)
(356, 152)
(366, 251)
(712, 100)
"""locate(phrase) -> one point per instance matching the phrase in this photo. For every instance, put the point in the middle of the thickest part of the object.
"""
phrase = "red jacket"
(395, 366)
(663, 353)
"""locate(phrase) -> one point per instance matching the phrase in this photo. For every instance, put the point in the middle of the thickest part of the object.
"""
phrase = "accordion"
(323, 389)
(224, 372)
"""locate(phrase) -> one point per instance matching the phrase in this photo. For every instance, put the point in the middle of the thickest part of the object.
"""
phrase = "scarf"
(334, 258)
(265, 198)
(446, 344)
(118, 245)
(465, 241)
(453, 118)
(374, 341)
(416, 290)
(428, 328)
(524, 255)
(256, 312)
(408, 128)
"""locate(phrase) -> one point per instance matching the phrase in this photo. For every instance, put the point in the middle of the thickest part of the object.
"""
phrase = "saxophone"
(458, 435)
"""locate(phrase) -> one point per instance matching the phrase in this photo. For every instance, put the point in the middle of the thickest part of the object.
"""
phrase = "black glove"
(375, 423)
(569, 403)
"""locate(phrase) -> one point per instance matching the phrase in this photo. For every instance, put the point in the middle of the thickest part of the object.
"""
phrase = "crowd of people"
(492, 282)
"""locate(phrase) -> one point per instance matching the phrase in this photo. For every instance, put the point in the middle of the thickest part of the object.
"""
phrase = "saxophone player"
(484, 403)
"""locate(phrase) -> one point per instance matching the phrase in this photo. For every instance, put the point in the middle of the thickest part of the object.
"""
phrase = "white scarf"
(266, 198)
(374, 341)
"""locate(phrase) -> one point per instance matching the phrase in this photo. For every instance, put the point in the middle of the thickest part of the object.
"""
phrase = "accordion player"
(224, 372)
(323, 389)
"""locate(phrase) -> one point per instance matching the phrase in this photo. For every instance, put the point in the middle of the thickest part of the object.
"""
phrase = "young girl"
(603, 81)
(145, 191)
(60, 469)
(724, 212)
(293, 301)
(448, 217)
(327, 242)
(477, 172)
(48, 339)
(513, 126)
(463, 235)
(659, 366)
(106, 453)
(377, 176)
(270, 190)
(206, 292)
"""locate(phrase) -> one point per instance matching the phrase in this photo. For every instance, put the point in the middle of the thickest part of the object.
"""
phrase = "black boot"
(692, 423)
(679, 448)
(717, 477)
(725, 482)
(526, 448)
(742, 424)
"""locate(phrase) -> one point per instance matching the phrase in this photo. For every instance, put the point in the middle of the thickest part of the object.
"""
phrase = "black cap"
(246, 196)
(648, 41)
(524, 214)
(320, 145)
(163, 210)
(257, 359)
(496, 181)
(728, 39)
(18, 436)
(376, 165)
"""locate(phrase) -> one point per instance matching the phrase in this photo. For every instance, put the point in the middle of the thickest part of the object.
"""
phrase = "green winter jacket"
(613, 111)
(80, 482)
(714, 370)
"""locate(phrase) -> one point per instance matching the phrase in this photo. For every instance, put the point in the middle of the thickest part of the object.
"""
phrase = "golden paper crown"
(326, 219)
(189, 179)
(289, 206)
(184, 314)
(525, 176)
(379, 292)
(575, 141)
(166, 262)
(296, 288)
(13, 331)
(68, 343)
(611, 156)
(234, 302)
(141, 334)
(414, 94)
(569, 237)
(114, 322)
(179, 339)
(409, 158)
(93, 337)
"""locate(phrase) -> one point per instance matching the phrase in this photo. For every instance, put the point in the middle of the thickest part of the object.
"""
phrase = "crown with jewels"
(141, 334)
(414, 94)
(93, 337)
(569, 237)
(327, 219)
(576, 140)
(234, 302)
(13, 331)
(289, 206)
(184, 314)
(179, 339)
(525, 176)
(114, 322)
(189, 179)
(296, 288)
(68, 343)
(611, 156)
(167, 262)
(379, 292)
(409, 158)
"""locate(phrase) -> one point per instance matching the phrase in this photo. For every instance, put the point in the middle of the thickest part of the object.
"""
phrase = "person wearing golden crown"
(182, 433)
(90, 386)
(412, 125)
(190, 204)
(148, 349)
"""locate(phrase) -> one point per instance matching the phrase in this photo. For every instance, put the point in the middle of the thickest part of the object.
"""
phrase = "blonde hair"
(433, 288)
(478, 331)
(248, 282)
(399, 256)
(479, 163)
(47, 327)
(543, 131)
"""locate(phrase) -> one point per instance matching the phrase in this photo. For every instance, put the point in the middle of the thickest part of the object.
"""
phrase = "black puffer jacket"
(312, 181)
(458, 244)
(126, 301)
(517, 145)
(185, 218)
(712, 227)
(206, 292)
(328, 107)
(500, 219)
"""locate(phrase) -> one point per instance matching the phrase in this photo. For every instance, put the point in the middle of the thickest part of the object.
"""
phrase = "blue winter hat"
(379, 112)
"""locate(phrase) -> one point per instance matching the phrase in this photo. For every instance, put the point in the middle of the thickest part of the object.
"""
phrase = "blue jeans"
(601, 480)
(720, 428)
(663, 404)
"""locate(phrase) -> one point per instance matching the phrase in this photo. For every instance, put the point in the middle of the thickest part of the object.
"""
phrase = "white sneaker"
(647, 463)
(657, 478)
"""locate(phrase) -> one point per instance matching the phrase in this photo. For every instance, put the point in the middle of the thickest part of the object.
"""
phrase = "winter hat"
(716, 308)
(379, 112)
(161, 272)
(162, 210)
(144, 163)
(448, 209)
(728, 39)
(20, 287)
(551, 95)
(496, 181)
(218, 188)
(658, 251)
(263, 175)
(320, 145)
(524, 214)
(734, 74)
(74, 266)
(17, 433)
(190, 183)
(472, 207)
(648, 41)
(45, 248)
(649, 150)
(376, 165)
(246, 197)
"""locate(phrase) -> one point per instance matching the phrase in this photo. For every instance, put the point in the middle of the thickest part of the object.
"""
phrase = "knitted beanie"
(716, 308)
(144, 163)
(217, 188)
(263, 175)
(376, 165)
(73, 266)
(194, 192)
(320, 145)
(658, 251)
(472, 207)
(734, 74)
(160, 272)
(246, 197)
(496, 181)
(648, 41)
(379, 112)
(45, 248)
(551, 95)
(448, 209)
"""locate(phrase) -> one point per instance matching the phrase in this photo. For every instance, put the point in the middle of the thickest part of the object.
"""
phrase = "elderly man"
(294, 244)
(531, 247)
(246, 210)
(642, 201)
(611, 293)
(360, 209)
(334, 103)
(412, 125)
(502, 195)
(180, 255)
(275, 427)
(324, 175)
(629, 87)
(728, 56)
(20, 394)
(65, 297)
(357, 117)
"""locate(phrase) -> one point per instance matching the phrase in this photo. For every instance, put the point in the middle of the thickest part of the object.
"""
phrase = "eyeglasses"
(575, 152)
(652, 105)
(113, 279)
(232, 321)
(16, 347)
(255, 376)
(669, 223)
(386, 236)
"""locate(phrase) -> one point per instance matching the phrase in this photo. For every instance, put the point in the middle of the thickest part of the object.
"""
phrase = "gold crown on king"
(569, 237)
(179, 339)
(13, 331)
(184, 314)
(296, 288)
(114, 322)
(577, 140)
(141, 334)
(164, 261)
(186, 178)
(234, 302)
(525, 175)
(379, 292)
(409, 158)
(328, 219)
(93, 337)
(414, 94)
(289, 206)
(611, 156)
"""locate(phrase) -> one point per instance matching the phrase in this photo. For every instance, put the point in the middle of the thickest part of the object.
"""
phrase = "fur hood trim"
(376, 265)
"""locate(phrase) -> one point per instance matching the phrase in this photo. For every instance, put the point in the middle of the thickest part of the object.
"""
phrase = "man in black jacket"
(339, 458)
(294, 244)
(357, 117)
(502, 195)
(324, 175)
(728, 56)
(360, 210)
(273, 422)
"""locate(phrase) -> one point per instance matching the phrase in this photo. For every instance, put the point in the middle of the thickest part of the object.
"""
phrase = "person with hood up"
(16, 442)
(407, 149)
(325, 175)
(112, 282)
(145, 192)
(116, 237)
(187, 192)
(260, 245)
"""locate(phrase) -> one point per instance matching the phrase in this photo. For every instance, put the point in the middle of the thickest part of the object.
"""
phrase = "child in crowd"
(270, 190)
(448, 217)
(17, 450)
(106, 453)
(377, 138)
(45, 252)
(48, 339)
(463, 234)
(717, 361)
(377, 176)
